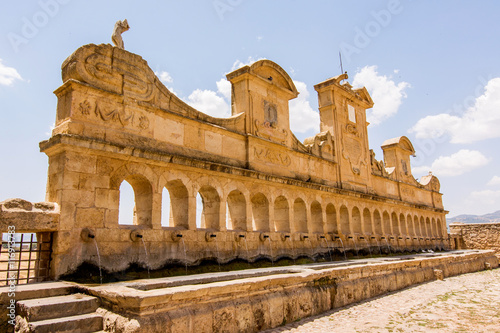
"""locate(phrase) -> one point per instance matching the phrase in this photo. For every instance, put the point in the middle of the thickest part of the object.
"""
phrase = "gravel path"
(465, 303)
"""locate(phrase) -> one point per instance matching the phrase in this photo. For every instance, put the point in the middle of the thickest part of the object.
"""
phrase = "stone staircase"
(59, 310)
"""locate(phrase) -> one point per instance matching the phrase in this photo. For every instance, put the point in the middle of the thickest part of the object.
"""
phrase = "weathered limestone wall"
(484, 236)
(258, 303)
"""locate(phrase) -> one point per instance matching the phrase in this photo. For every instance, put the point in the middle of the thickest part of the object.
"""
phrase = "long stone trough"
(253, 300)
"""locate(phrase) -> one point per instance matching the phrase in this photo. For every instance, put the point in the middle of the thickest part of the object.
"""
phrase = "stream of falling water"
(185, 255)
(99, 259)
(147, 258)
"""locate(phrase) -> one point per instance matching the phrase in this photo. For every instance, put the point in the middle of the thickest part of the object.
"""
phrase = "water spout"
(270, 249)
(355, 247)
(146, 252)
(185, 255)
(248, 252)
(98, 257)
(387, 243)
(328, 247)
(368, 246)
(343, 247)
(217, 247)
(378, 244)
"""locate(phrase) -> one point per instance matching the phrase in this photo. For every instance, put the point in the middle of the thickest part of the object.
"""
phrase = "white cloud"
(238, 63)
(224, 88)
(456, 164)
(495, 181)
(164, 77)
(214, 103)
(302, 116)
(484, 198)
(386, 94)
(209, 102)
(479, 122)
(8, 75)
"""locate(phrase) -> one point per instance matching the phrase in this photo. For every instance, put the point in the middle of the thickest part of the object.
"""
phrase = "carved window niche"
(351, 112)
(270, 114)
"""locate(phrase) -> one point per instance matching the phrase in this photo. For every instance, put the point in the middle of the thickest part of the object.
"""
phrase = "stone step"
(86, 323)
(37, 290)
(57, 307)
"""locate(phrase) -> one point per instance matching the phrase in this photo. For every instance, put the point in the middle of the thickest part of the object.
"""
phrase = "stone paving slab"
(465, 303)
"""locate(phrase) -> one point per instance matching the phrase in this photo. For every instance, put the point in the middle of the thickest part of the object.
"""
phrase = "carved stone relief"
(268, 132)
(113, 115)
(272, 156)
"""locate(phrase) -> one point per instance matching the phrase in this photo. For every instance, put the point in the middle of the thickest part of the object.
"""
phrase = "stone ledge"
(27, 216)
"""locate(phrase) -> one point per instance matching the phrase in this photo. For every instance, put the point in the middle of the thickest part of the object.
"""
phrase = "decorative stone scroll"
(111, 69)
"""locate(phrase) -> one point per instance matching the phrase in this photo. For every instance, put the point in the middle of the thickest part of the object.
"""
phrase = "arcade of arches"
(262, 192)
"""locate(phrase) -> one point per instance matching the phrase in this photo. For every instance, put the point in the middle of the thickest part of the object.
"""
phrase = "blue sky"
(432, 69)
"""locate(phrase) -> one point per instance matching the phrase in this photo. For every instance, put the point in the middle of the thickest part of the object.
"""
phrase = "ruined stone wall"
(476, 236)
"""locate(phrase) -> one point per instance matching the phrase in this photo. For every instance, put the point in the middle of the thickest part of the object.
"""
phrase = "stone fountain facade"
(264, 192)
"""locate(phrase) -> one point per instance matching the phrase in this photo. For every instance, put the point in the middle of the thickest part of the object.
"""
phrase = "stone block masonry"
(264, 193)
(476, 236)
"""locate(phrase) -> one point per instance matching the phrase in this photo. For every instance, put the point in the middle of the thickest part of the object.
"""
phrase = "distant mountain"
(464, 218)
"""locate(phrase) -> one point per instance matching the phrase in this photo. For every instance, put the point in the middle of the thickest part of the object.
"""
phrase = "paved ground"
(465, 303)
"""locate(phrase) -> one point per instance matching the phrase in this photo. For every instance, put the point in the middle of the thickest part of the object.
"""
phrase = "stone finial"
(116, 37)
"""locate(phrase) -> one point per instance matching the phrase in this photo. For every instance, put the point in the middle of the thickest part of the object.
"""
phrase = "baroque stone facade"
(264, 192)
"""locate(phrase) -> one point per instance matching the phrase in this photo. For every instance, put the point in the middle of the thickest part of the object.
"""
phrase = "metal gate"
(25, 258)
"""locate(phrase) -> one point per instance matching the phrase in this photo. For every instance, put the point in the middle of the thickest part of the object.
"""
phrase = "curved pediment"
(430, 182)
(400, 142)
(271, 71)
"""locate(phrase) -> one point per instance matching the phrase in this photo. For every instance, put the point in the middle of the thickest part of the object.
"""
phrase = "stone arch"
(179, 201)
(409, 225)
(260, 212)
(316, 217)
(395, 224)
(416, 225)
(210, 215)
(344, 220)
(439, 228)
(236, 211)
(402, 225)
(281, 214)
(331, 219)
(367, 222)
(428, 226)
(356, 221)
(377, 223)
(423, 233)
(133, 170)
(386, 220)
(143, 199)
(300, 215)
